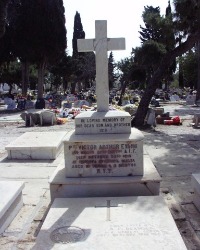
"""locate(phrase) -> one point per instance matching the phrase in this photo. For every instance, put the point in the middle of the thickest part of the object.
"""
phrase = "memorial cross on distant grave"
(101, 44)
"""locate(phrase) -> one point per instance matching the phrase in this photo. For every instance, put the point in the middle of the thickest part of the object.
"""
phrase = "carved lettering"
(105, 158)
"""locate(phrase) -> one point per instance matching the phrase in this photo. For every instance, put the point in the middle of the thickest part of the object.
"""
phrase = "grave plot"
(10, 202)
(110, 223)
(36, 145)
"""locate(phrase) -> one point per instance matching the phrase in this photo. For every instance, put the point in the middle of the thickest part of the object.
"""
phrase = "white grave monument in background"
(104, 155)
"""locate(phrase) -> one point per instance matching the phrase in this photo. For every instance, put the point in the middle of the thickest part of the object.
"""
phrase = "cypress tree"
(111, 67)
(151, 31)
(77, 34)
(3, 16)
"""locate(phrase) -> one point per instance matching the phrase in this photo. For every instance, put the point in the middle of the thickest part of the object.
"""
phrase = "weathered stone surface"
(196, 187)
(109, 223)
(111, 122)
(10, 202)
(36, 145)
(101, 44)
(102, 155)
(148, 184)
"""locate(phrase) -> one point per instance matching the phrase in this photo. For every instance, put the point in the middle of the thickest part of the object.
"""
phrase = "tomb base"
(104, 155)
(10, 202)
(109, 223)
(36, 145)
(196, 186)
(146, 185)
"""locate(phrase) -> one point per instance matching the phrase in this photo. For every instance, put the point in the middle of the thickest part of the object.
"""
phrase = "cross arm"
(85, 45)
(116, 44)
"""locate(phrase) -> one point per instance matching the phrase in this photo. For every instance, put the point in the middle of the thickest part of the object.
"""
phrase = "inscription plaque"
(92, 122)
(104, 159)
(140, 230)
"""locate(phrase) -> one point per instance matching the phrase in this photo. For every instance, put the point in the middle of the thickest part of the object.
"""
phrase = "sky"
(123, 19)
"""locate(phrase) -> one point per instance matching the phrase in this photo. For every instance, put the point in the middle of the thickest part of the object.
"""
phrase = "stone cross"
(101, 44)
(108, 209)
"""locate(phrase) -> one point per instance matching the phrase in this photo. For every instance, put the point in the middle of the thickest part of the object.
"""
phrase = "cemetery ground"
(174, 151)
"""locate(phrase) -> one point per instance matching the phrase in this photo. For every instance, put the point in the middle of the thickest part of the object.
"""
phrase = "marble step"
(10, 202)
(36, 145)
(109, 223)
(144, 185)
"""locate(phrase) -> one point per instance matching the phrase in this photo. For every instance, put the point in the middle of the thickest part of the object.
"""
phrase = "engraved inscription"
(103, 125)
(162, 236)
(104, 158)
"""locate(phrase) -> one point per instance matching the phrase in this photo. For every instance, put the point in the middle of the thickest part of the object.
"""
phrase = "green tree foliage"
(111, 71)
(78, 57)
(198, 82)
(187, 16)
(157, 38)
(133, 75)
(39, 34)
(125, 66)
(3, 16)
(148, 56)
(87, 69)
(169, 42)
(84, 63)
(6, 54)
(186, 21)
(63, 70)
(11, 73)
(152, 30)
(190, 68)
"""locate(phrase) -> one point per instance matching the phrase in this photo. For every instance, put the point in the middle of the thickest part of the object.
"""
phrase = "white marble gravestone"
(99, 155)
(101, 45)
(103, 143)
(103, 121)
(11, 202)
(195, 181)
(120, 223)
(36, 145)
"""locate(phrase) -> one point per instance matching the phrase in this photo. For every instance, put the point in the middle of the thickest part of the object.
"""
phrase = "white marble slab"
(139, 223)
(101, 44)
(102, 155)
(111, 122)
(36, 145)
(195, 181)
(196, 200)
(10, 202)
(148, 184)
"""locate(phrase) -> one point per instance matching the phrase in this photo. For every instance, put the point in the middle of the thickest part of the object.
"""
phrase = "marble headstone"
(103, 143)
